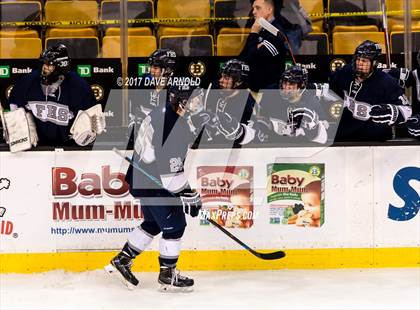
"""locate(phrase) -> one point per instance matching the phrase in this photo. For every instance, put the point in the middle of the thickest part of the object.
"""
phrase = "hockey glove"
(413, 125)
(303, 118)
(229, 126)
(384, 114)
(201, 119)
(264, 128)
(191, 202)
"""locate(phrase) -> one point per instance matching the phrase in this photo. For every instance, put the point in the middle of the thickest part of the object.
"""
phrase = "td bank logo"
(4, 71)
(143, 69)
(84, 70)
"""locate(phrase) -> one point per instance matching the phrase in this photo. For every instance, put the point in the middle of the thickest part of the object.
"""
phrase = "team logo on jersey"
(84, 70)
(337, 63)
(50, 111)
(98, 91)
(4, 71)
(8, 91)
(2, 211)
(197, 69)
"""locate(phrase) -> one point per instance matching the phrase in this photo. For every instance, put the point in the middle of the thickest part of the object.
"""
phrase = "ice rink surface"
(282, 289)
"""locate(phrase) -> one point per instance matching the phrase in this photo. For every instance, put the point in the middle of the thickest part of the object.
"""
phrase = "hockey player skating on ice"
(294, 115)
(162, 64)
(373, 100)
(55, 103)
(161, 146)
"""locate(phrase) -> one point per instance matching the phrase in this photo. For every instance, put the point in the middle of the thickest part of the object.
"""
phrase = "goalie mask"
(238, 71)
(366, 50)
(58, 57)
(165, 59)
(293, 83)
(186, 99)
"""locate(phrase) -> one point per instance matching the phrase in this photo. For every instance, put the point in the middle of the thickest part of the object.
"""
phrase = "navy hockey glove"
(229, 126)
(191, 202)
(202, 119)
(264, 128)
(303, 118)
(384, 114)
(413, 125)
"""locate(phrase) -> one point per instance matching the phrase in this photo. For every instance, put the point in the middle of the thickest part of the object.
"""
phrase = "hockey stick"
(276, 32)
(265, 256)
(386, 34)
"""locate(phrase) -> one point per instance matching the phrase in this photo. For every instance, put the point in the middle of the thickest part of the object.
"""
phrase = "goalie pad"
(19, 130)
(87, 125)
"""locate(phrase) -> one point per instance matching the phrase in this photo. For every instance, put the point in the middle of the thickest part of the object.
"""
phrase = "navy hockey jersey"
(160, 148)
(238, 103)
(378, 89)
(54, 113)
(411, 79)
(279, 111)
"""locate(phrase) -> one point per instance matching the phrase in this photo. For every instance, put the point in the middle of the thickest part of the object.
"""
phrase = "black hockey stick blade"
(265, 256)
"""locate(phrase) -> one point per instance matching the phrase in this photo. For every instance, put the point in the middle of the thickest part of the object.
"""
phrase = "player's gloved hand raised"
(191, 202)
(229, 126)
(384, 114)
(413, 125)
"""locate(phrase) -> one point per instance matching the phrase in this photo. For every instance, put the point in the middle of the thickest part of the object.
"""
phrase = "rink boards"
(70, 210)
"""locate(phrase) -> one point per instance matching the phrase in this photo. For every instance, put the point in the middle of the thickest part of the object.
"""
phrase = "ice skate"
(121, 266)
(171, 281)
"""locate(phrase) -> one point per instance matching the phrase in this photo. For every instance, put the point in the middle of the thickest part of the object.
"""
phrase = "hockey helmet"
(369, 50)
(297, 75)
(165, 59)
(238, 71)
(187, 98)
(57, 56)
(294, 75)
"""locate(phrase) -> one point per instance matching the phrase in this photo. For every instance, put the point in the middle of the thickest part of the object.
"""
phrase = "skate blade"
(167, 288)
(112, 271)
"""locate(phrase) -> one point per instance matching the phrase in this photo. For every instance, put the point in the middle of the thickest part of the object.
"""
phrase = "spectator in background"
(297, 24)
(56, 103)
(264, 52)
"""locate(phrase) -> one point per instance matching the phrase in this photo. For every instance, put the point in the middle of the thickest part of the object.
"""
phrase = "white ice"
(282, 289)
